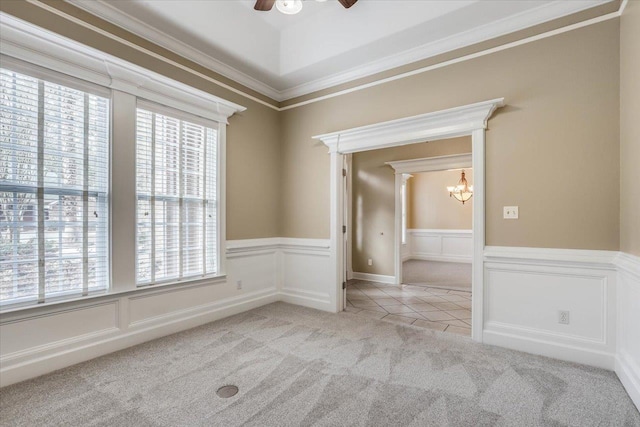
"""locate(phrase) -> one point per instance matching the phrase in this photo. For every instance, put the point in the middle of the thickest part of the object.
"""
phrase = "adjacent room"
(438, 244)
(419, 274)
(340, 212)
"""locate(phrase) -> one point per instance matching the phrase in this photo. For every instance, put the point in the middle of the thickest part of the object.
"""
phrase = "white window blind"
(176, 173)
(54, 165)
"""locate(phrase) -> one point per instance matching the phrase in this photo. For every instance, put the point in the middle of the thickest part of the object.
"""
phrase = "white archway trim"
(442, 124)
(466, 120)
(429, 164)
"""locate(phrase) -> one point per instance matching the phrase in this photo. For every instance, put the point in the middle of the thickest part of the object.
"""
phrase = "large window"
(54, 155)
(176, 175)
(105, 186)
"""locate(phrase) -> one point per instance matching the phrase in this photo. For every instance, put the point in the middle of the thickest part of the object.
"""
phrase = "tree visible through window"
(176, 164)
(53, 189)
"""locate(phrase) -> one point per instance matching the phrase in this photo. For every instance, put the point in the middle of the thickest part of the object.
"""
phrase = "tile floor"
(426, 307)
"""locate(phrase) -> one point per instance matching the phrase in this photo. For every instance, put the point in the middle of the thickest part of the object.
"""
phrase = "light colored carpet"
(445, 275)
(297, 367)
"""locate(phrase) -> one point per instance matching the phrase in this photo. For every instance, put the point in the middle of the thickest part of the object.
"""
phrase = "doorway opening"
(471, 119)
(401, 215)
(436, 240)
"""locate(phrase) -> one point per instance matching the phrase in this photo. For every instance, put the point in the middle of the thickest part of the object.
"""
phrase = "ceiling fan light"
(289, 7)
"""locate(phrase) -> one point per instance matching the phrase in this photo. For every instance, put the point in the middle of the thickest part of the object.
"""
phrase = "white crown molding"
(34, 45)
(104, 10)
(520, 21)
(450, 123)
(378, 82)
(511, 24)
(429, 164)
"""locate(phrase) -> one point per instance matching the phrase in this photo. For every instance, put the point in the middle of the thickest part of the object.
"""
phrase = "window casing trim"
(42, 73)
(35, 45)
(41, 189)
(71, 63)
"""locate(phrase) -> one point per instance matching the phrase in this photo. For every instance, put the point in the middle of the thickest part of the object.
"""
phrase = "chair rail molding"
(464, 120)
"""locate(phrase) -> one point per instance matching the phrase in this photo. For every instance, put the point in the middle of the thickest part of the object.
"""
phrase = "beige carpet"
(301, 367)
(444, 275)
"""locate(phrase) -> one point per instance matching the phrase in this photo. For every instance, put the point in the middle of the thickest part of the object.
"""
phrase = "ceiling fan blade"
(264, 5)
(347, 3)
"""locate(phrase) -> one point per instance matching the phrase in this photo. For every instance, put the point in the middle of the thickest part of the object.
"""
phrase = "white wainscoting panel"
(42, 339)
(34, 335)
(441, 245)
(526, 288)
(628, 354)
(306, 273)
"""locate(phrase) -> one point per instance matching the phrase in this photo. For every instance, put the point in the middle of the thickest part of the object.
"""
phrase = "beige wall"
(553, 150)
(253, 137)
(630, 129)
(373, 195)
(431, 206)
(561, 125)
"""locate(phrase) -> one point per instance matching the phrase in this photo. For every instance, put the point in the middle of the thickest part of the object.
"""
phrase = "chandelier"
(462, 192)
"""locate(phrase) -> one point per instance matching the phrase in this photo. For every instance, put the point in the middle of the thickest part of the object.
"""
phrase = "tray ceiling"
(284, 56)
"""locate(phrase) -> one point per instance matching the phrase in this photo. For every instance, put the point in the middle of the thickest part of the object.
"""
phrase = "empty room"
(319, 212)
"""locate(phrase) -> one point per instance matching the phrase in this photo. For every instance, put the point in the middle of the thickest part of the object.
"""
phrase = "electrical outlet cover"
(563, 317)
(510, 212)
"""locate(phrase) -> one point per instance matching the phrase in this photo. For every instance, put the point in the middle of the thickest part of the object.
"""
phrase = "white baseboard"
(39, 365)
(374, 277)
(518, 339)
(628, 370)
(306, 299)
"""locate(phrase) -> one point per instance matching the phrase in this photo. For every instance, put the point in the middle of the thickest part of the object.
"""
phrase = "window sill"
(97, 297)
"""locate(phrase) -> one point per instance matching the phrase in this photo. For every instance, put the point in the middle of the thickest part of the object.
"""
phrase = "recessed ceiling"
(284, 56)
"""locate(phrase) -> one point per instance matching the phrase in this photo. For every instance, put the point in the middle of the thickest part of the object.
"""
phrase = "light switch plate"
(510, 212)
